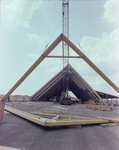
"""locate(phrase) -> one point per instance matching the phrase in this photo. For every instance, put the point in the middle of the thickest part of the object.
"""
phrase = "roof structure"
(79, 87)
(60, 38)
(107, 95)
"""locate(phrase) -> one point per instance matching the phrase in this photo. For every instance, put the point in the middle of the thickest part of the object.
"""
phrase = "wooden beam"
(57, 122)
(61, 107)
(48, 50)
(25, 103)
(38, 61)
(55, 112)
(2, 105)
(63, 56)
(109, 125)
(90, 63)
(110, 119)
(8, 148)
(60, 116)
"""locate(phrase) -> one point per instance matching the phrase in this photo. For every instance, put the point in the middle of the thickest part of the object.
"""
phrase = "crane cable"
(76, 40)
(52, 35)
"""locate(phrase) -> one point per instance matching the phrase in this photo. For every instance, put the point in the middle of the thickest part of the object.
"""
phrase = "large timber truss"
(60, 38)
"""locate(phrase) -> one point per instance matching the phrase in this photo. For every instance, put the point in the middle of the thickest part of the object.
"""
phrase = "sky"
(29, 26)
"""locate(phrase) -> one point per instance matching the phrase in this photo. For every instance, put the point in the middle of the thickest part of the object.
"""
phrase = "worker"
(8, 98)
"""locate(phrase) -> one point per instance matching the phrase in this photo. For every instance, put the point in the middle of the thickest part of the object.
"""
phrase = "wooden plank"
(25, 103)
(2, 105)
(9, 104)
(110, 119)
(8, 148)
(61, 107)
(58, 122)
(63, 56)
(109, 125)
(55, 118)
(61, 116)
(55, 112)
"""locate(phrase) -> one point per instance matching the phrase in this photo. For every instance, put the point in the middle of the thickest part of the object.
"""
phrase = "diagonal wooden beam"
(48, 50)
(90, 63)
(38, 61)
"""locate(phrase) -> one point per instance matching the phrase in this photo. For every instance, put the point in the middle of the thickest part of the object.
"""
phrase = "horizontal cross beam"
(63, 56)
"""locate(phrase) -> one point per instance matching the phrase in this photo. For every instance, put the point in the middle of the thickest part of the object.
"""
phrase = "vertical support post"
(2, 105)
(116, 102)
(107, 98)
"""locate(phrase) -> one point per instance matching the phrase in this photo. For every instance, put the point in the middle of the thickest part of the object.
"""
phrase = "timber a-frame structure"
(81, 89)
(88, 92)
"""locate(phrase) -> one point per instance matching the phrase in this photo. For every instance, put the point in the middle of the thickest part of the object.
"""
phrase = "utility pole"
(65, 47)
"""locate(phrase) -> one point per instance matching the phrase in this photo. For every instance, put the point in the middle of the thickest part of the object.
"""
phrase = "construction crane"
(65, 97)
(65, 30)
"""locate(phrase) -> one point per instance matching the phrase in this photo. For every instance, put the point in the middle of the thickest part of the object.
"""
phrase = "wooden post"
(107, 98)
(2, 105)
(116, 102)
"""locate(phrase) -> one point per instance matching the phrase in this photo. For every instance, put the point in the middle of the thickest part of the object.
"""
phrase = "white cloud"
(36, 38)
(103, 51)
(111, 11)
(20, 12)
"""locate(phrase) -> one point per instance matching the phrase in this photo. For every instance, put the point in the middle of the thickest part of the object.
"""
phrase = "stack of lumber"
(115, 120)
(98, 106)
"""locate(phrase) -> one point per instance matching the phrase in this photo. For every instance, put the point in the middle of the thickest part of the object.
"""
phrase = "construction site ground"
(18, 133)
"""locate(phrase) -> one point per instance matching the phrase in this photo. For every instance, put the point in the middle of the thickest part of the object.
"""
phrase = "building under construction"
(81, 89)
(51, 131)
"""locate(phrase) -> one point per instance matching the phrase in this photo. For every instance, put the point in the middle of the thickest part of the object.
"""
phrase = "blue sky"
(28, 26)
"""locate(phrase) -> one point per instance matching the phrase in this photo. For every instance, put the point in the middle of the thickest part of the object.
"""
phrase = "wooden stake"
(2, 105)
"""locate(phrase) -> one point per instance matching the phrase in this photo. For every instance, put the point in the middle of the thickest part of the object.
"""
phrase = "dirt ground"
(18, 133)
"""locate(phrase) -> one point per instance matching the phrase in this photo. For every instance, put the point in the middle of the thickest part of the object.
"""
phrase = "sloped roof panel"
(77, 85)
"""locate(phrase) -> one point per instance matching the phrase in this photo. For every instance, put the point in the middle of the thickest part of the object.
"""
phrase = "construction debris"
(58, 120)
(6, 112)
